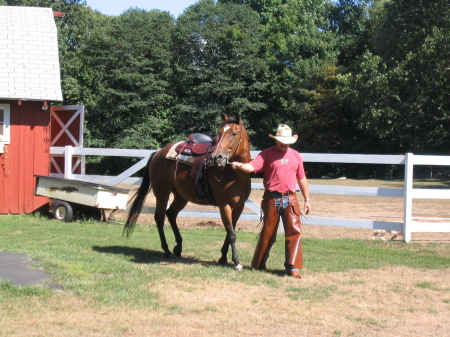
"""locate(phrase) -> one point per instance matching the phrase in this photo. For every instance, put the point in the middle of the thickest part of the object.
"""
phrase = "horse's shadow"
(148, 256)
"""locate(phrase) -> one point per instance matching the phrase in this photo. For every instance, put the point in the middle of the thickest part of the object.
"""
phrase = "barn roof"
(29, 62)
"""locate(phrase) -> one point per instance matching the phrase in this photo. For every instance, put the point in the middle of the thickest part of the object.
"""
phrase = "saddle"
(200, 147)
(197, 145)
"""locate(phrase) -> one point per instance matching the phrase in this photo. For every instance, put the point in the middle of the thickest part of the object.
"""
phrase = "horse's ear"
(239, 118)
(225, 117)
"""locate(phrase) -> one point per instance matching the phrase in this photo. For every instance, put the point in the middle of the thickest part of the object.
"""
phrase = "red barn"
(29, 81)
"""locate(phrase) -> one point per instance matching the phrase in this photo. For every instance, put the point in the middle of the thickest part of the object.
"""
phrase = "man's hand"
(308, 207)
(236, 165)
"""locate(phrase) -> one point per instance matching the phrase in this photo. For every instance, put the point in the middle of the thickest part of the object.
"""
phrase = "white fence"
(408, 193)
(411, 193)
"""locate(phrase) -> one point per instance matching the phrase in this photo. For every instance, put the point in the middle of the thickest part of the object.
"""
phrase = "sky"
(117, 7)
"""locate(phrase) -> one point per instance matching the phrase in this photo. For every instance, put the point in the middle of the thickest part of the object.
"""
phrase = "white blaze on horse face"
(225, 129)
(222, 160)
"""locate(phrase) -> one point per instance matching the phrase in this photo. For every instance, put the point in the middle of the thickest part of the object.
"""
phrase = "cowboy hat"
(284, 135)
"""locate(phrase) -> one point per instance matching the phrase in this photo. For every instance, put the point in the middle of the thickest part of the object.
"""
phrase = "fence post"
(68, 154)
(408, 186)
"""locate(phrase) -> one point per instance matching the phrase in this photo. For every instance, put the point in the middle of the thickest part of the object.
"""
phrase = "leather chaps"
(292, 229)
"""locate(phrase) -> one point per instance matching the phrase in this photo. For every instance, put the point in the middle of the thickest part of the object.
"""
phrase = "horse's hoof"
(177, 251)
(223, 261)
(238, 267)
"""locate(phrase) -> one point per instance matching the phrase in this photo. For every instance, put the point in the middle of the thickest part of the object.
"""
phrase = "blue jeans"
(282, 203)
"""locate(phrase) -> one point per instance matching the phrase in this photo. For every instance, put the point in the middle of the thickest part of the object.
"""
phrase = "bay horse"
(229, 188)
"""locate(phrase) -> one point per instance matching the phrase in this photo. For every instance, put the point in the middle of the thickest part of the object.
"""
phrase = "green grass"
(342, 255)
(94, 261)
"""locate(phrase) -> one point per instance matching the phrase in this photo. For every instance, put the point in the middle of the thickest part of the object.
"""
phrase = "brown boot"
(293, 273)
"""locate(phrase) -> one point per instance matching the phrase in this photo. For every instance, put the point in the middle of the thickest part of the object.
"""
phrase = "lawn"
(105, 284)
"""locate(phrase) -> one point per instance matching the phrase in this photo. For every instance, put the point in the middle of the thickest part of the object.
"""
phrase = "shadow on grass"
(149, 256)
(275, 272)
(430, 183)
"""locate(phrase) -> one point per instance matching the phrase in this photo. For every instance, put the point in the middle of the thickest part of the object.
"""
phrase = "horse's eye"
(233, 134)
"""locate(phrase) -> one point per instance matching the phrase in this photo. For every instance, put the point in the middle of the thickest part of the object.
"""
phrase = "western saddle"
(201, 147)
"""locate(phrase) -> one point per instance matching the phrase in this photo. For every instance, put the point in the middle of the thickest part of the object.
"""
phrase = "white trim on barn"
(29, 61)
(4, 126)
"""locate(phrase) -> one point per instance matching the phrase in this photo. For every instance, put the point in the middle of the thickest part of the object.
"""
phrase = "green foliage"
(349, 22)
(267, 9)
(403, 106)
(358, 76)
(131, 57)
(300, 49)
(406, 24)
(326, 126)
(218, 67)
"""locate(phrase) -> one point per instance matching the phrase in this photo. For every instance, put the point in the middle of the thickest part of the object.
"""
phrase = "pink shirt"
(281, 169)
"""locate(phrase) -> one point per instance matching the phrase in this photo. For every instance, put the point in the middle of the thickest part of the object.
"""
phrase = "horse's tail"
(138, 200)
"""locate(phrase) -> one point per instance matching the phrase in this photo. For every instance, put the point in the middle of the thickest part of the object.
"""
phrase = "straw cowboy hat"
(284, 135)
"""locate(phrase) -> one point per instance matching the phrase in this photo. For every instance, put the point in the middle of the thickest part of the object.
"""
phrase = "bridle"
(214, 156)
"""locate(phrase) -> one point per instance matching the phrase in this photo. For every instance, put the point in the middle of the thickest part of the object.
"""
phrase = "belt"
(279, 194)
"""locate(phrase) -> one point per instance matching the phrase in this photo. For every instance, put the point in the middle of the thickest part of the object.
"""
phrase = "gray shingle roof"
(29, 62)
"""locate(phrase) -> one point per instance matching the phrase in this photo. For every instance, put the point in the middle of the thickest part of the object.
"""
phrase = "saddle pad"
(182, 158)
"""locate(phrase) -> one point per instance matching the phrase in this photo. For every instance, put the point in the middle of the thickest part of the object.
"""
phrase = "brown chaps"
(292, 229)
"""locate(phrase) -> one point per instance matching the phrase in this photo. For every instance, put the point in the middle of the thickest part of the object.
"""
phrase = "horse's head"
(232, 142)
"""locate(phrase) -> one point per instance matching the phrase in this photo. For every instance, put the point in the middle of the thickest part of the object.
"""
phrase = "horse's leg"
(223, 259)
(229, 222)
(172, 212)
(160, 216)
(236, 213)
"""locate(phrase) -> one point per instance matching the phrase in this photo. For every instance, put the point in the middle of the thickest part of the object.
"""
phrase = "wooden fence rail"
(408, 193)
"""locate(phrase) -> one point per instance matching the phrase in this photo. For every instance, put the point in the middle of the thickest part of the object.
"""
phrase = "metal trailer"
(66, 195)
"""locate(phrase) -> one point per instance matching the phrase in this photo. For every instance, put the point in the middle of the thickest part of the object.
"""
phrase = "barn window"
(4, 126)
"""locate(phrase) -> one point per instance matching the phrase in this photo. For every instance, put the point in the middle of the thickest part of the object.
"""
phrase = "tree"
(301, 50)
(349, 22)
(128, 64)
(405, 26)
(267, 9)
(402, 93)
(218, 68)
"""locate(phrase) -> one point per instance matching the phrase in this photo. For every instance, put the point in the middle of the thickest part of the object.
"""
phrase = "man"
(283, 169)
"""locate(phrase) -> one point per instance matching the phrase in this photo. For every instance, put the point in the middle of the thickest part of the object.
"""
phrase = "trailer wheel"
(63, 211)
